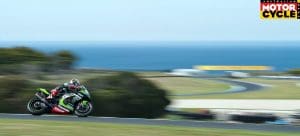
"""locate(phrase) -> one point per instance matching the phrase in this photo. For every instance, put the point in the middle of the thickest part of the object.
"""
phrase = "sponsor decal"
(280, 9)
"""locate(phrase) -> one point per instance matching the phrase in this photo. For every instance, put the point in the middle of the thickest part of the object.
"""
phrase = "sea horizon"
(157, 56)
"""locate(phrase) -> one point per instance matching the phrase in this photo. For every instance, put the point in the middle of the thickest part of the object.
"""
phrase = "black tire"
(35, 110)
(85, 113)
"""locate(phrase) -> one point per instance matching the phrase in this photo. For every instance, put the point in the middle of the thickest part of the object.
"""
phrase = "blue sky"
(140, 20)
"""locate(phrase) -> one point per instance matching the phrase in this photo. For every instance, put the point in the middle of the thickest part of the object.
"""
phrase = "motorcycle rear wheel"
(36, 107)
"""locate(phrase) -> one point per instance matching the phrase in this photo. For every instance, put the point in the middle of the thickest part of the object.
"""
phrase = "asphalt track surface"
(242, 87)
(159, 122)
(248, 85)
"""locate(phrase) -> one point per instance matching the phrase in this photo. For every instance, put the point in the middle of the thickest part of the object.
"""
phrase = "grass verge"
(11, 127)
(279, 89)
(187, 85)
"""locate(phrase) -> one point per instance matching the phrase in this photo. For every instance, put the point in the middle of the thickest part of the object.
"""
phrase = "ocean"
(149, 56)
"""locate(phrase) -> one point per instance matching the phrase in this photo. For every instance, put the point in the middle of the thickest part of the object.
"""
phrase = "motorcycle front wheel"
(83, 109)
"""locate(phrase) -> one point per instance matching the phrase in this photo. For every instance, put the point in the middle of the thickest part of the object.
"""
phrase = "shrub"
(127, 95)
(19, 55)
(64, 59)
(19, 59)
(294, 72)
(12, 89)
(12, 85)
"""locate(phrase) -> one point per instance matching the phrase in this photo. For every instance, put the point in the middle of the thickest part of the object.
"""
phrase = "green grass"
(54, 128)
(281, 89)
(186, 85)
(152, 74)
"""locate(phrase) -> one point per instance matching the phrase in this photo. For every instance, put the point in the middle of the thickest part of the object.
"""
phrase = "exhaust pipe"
(44, 100)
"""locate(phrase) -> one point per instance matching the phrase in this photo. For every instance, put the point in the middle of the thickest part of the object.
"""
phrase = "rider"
(72, 86)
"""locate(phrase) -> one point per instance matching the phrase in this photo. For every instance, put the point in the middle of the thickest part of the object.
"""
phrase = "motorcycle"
(78, 103)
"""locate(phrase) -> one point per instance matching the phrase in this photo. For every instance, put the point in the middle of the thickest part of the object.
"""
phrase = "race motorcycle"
(78, 103)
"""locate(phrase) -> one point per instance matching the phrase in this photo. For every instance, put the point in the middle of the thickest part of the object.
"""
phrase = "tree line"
(19, 59)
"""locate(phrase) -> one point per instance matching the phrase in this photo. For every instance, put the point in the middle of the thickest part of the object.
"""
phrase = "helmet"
(74, 82)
